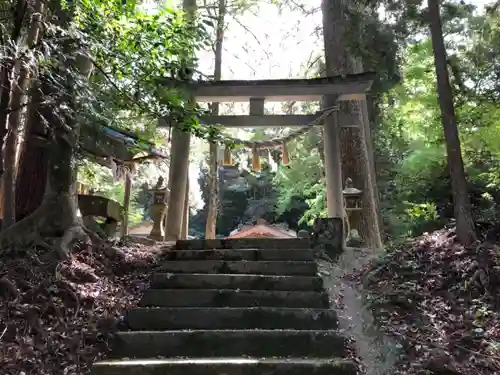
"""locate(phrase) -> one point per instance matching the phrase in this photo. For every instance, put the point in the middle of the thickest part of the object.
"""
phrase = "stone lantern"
(352, 202)
(352, 196)
(157, 208)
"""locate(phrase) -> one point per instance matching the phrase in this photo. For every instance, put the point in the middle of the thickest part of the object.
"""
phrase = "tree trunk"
(57, 215)
(10, 153)
(210, 229)
(11, 144)
(7, 75)
(187, 212)
(357, 152)
(320, 145)
(6, 80)
(33, 159)
(465, 226)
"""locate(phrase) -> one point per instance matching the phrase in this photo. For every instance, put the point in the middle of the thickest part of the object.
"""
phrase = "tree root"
(35, 231)
(21, 235)
(94, 237)
(72, 235)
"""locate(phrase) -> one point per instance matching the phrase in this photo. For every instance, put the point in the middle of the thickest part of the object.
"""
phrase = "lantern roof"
(350, 189)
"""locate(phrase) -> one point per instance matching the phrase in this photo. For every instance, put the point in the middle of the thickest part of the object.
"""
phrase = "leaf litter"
(59, 317)
(440, 301)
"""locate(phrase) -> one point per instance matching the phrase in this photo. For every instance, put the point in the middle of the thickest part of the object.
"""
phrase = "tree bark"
(187, 212)
(33, 158)
(465, 225)
(6, 80)
(10, 150)
(357, 151)
(179, 160)
(11, 144)
(7, 65)
(126, 201)
(210, 228)
(57, 215)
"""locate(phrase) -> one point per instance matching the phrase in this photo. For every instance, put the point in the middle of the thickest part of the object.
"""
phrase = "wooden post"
(333, 166)
(126, 204)
(185, 219)
(257, 106)
(179, 164)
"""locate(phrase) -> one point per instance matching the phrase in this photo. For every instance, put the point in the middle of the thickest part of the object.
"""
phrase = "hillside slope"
(57, 317)
(441, 302)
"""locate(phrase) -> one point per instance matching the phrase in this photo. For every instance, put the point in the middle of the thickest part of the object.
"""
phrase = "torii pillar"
(177, 184)
(179, 169)
(333, 161)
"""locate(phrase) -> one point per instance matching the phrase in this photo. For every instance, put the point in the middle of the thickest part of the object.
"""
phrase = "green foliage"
(142, 62)
(422, 217)
(411, 140)
(303, 178)
(413, 179)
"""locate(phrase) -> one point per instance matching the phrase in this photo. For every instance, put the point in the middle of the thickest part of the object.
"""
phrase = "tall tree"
(69, 101)
(210, 229)
(357, 154)
(17, 99)
(463, 213)
(7, 67)
(33, 157)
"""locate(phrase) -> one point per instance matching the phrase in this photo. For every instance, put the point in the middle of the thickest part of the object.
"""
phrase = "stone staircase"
(232, 307)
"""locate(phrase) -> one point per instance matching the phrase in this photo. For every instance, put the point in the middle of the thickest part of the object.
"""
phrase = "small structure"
(92, 206)
(263, 230)
(157, 208)
(352, 196)
(353, 206)
(107, 145)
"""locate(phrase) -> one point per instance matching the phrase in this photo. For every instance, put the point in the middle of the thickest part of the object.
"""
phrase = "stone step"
(220, 366)
(241, 254)
(216, 343)
(159, 319)
(227, 281)
(244, 243)
(240, 267)
(232, 298)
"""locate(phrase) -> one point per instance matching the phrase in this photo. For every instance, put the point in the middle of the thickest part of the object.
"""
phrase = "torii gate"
(330, 90)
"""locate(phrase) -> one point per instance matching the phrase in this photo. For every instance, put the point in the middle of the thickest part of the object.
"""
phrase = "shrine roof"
(123, 146)
(262, 230)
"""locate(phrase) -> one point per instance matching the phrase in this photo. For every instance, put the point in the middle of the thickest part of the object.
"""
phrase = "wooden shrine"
(126, 150)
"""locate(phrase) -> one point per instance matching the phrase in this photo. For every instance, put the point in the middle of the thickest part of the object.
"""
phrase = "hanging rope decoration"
(256, 167)
(285, 158)
(120, 171)
(281, 142)
(228, 157)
